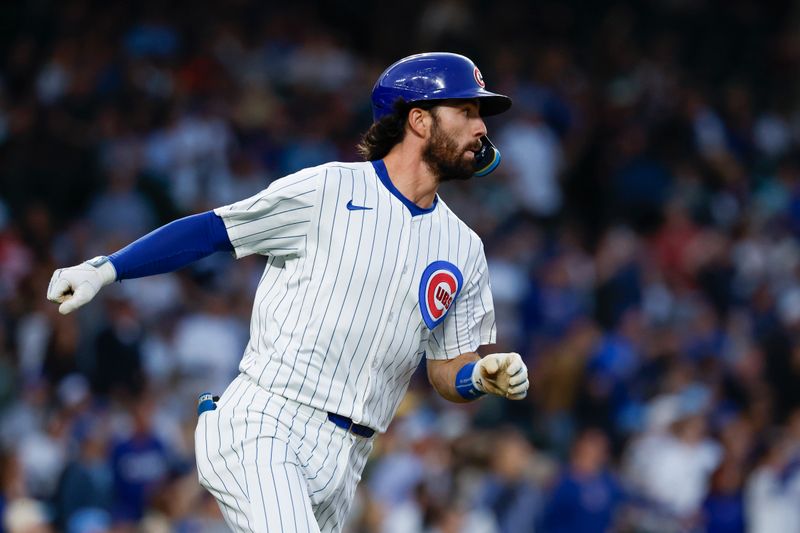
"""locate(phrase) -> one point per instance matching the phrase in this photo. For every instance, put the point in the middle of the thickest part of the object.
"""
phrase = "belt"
(348, 425)
(207, 402)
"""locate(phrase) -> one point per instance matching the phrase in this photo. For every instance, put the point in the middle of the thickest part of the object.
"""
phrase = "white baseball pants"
(275, 465)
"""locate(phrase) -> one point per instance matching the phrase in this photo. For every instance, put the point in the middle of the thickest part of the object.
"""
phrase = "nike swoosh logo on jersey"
(352, 207)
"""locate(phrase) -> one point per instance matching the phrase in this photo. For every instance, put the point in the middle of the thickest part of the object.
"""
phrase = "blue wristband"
(464, 384)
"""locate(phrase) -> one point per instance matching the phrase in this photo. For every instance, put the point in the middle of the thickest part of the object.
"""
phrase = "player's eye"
(470, 111)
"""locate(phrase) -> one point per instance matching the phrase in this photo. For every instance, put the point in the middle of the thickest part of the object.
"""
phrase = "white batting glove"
(75, 286)
(503, 374)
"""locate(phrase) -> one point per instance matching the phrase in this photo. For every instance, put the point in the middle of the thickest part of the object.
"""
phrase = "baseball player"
(368, 271)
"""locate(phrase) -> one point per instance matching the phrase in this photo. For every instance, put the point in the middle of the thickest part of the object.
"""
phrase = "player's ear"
(419, 121)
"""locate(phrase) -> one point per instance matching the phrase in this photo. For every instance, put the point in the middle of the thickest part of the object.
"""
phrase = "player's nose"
(479, 128)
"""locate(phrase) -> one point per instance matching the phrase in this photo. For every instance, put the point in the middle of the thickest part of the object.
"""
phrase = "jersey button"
(391, 317)
(405, 269)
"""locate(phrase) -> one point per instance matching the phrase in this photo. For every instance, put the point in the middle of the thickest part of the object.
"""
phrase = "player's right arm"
(273, 222)
(166, 249)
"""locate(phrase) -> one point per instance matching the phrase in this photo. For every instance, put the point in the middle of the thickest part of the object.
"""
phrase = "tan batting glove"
(75, 286)
(503, 374)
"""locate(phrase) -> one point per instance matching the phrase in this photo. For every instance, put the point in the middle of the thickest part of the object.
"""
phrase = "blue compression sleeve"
(172, 246)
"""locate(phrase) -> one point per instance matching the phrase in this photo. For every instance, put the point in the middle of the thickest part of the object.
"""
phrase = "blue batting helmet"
(431, 77)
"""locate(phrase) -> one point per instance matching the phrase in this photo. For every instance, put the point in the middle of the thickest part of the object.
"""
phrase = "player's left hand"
(503, 374)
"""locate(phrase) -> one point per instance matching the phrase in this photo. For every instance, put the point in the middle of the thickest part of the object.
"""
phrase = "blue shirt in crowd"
(582, 504)
(139, 465)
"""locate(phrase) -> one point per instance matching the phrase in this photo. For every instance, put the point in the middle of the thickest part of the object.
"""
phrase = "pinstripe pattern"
(278, 483)
(336, 327)
(336, 322)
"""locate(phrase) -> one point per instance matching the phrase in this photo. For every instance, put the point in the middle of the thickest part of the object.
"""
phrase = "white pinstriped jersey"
(360, 285)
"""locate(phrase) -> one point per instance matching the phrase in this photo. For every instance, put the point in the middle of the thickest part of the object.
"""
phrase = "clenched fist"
(75, 286)
(503, 374)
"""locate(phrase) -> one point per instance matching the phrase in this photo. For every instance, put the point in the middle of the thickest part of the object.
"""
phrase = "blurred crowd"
(642, 232)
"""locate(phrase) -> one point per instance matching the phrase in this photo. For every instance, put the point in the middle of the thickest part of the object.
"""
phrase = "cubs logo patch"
(439, 287)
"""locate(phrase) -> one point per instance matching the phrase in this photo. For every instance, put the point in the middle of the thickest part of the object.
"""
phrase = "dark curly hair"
(384, 134)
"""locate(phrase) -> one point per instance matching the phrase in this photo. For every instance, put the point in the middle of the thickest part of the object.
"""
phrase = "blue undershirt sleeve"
(172, 246)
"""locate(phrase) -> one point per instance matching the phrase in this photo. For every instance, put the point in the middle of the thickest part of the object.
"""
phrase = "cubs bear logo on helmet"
(438, 288)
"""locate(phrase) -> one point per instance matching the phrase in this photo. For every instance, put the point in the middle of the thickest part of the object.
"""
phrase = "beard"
(445, 158)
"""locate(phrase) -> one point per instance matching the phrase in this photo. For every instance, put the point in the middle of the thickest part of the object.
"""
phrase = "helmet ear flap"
(487, 158)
